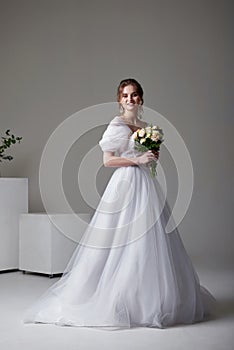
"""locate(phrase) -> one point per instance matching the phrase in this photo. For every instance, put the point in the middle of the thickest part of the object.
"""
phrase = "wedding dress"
(127, 271)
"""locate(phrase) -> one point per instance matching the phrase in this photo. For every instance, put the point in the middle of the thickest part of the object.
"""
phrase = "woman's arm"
(110, 160)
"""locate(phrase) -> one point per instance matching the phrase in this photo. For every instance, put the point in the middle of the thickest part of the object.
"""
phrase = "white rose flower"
(155, 138)
(135, 136)
(155, 133)
(141, 133)
(142, 140)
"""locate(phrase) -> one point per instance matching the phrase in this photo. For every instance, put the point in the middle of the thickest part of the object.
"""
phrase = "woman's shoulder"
(115, 125)
(118, 121)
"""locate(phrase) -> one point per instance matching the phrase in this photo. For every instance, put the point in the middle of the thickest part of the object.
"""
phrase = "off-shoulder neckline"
(129, 126)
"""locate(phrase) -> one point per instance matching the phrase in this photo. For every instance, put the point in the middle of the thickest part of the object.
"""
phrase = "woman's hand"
(147, 157)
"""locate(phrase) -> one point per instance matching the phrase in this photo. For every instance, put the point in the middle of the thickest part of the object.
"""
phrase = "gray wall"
(58, 57)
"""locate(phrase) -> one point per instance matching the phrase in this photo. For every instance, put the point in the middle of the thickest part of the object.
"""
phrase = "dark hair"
(133, 82)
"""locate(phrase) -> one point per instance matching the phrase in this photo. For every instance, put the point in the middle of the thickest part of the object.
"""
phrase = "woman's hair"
(132, 82)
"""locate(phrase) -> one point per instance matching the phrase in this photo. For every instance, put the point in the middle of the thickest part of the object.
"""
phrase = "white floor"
(18, 291)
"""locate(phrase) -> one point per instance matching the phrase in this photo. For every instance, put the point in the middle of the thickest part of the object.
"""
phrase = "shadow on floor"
(224, 308)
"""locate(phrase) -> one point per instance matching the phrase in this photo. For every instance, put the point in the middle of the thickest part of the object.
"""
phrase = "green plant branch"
(7, 142)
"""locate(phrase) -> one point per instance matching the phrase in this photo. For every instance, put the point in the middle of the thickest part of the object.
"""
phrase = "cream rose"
(148, 129)
(141, 133)
(155, 133)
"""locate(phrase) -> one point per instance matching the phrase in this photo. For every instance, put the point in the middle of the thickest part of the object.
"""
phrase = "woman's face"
(130, 98)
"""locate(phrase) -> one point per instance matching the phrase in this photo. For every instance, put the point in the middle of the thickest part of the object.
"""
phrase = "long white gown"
(127, 271)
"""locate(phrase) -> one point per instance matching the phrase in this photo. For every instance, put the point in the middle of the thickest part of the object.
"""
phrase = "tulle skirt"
(127, 271)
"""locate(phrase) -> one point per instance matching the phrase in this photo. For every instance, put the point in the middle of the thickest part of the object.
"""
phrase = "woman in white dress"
(126, 271)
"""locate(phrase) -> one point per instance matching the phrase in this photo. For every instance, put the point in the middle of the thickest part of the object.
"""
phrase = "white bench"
(46, 243)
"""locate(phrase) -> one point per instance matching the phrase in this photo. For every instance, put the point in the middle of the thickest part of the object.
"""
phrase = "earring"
(121, 109)
(140, 111)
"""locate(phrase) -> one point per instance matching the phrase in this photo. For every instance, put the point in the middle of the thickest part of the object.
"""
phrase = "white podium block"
(13, 202)
(45, 243)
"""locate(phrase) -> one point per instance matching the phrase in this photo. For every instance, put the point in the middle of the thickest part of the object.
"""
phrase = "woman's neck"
(130, 116)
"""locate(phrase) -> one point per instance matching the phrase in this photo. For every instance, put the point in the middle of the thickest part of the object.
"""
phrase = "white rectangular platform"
(47, 242)
(13, 202)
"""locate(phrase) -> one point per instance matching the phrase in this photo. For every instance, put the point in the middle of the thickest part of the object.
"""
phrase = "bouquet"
(149, 138)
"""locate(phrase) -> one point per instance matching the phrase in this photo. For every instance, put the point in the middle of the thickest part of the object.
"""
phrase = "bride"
(133, 273)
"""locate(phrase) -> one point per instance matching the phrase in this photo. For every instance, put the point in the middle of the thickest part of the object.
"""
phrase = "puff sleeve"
(115, 138)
